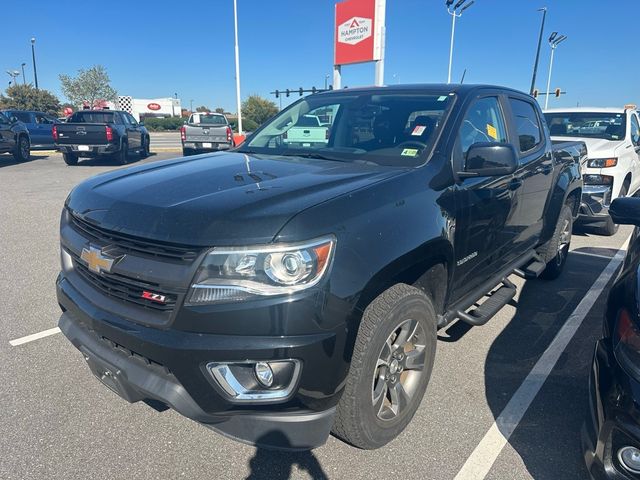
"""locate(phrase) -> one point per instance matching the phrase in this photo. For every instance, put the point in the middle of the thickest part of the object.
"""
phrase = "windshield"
(211, 120)
(91, 117)
(608, 126)
(393, 128)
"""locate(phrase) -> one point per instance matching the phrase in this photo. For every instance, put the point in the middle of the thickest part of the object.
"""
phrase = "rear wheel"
(390, 368)
(23, 149)
(556, 251)
(186, 152)
(122, 157)
(70, 158)
(610, 228)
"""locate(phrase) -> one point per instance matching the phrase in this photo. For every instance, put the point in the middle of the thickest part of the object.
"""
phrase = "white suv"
(612, 136)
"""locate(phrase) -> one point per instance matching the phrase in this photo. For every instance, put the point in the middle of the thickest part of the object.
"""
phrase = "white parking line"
(35, 336)
(486, 452)
(589, 254)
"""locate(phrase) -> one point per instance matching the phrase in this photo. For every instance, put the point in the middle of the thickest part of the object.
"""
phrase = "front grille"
(134, 245)
(125, 288)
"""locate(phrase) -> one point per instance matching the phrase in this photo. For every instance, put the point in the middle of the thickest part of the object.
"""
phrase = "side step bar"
(492, 305)
(533, 270)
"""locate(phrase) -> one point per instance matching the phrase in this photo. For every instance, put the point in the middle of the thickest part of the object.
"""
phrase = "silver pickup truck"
(206, 132)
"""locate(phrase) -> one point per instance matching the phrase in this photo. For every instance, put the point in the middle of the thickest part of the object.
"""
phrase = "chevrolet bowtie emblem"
(96, 260)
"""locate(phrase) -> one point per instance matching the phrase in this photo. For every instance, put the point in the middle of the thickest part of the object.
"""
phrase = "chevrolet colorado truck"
(206, 132)
(100, 133)
(612, 136)
(279, 293)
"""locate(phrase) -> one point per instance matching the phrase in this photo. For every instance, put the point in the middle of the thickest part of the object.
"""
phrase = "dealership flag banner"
(359, 31)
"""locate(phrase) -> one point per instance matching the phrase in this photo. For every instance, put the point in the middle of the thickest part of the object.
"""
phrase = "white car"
(612, 136)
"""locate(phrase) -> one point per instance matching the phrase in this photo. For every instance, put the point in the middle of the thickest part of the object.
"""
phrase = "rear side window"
(483, 123)
(527, 124)
(22, 116)
(635, 130)
(91, 117)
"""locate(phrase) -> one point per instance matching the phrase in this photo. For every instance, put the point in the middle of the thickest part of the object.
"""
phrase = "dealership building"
(142, 108)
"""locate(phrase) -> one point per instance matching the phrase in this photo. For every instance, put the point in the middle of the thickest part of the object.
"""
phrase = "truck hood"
(596, 147)
(218, 199)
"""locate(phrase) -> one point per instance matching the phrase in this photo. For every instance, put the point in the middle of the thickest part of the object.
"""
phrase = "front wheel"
(23, 149)
(609, 228)
(144, 150)
(390, 368)
(70, 158)
(557, 249)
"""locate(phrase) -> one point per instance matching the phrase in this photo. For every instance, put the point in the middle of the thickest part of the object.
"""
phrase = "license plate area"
(207, 145)
(111, 377)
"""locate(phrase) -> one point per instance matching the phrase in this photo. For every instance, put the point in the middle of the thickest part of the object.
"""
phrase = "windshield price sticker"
(419, 130)
(409, 152)
(492, 132)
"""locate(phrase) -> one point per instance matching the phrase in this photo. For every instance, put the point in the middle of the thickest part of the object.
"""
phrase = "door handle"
(515, 184)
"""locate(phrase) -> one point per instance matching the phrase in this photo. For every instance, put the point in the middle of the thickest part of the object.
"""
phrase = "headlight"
(597, 179)
(626, 343)
(235, 274)
(602, 162)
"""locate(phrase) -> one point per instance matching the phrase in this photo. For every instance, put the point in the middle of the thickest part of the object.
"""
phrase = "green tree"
(203, 108)
(90, 86)
(258, 110)
(26, 97)
(219, 110)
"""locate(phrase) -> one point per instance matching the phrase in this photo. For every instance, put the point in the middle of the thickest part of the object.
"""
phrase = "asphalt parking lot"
(59, 422)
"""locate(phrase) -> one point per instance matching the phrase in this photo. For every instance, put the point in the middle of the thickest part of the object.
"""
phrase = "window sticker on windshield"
(492, 132)
(419, 130)
(409, 152)
(442, 98)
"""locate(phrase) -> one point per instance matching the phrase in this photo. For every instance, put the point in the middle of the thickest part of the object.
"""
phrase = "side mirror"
(141, 124)
(490, 160)
(625, 211)
(14, 119)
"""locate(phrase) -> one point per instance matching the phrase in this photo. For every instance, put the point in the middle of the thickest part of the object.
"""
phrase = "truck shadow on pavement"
(8, 160)
(548, 436)
(279, 465)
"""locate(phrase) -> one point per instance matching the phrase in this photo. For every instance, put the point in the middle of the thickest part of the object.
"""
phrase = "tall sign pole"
(535, 64)
(359, 36)
(239, 104)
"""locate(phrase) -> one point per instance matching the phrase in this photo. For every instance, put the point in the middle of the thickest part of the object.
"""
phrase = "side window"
(3, 118)
(120, 119)
(132, 120)
(527, 124)
(483, 123)
(41, 119)
(635, 130)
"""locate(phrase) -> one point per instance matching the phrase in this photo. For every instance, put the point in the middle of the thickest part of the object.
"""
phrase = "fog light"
(629, 457)
(264, 374)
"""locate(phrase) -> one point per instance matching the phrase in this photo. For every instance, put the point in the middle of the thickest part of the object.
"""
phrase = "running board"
(533, 269)
(492, 305)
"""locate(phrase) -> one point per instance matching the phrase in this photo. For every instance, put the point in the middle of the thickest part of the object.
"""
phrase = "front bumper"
(594, 205)
(613, 417)
(169, 366)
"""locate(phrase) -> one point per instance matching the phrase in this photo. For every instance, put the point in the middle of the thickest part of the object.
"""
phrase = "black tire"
(186, 152)
(122, 157)
(361, 420)
(70, 158)
(23, 149)
(144, 150)
(556, 250)
(609, 228)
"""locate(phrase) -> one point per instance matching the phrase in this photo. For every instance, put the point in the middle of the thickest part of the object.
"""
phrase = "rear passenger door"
(535, 173)
(133, 131)
(44, 126)
(484, 205)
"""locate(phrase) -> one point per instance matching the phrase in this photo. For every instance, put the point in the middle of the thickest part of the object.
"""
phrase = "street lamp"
(237, 49)
(535, 64)
(326, 81)
(191, 107)
(455, 12)
(33, 56)
(554, 41)
(23, 78)
(13, 74)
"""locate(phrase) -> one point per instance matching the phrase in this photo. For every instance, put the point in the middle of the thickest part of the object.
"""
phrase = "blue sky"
(158, 48)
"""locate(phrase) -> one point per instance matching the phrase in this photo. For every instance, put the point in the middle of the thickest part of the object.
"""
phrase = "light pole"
(13, 74)
(239, 105)
(191, 106)
(554, 41)
(23, 78)
(326, 82)
(535, 65)
(455, 12)
(33, 56)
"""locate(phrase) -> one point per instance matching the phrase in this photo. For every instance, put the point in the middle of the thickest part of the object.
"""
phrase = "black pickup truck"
(96, 133)
(280, 292)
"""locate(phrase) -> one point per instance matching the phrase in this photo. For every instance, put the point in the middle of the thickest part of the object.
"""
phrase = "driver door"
(484, 205)
(7, 139)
